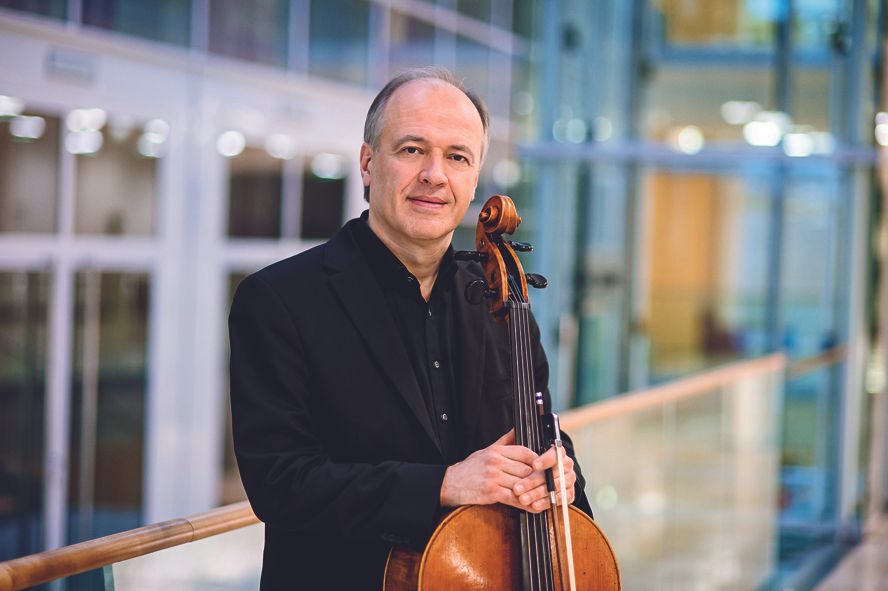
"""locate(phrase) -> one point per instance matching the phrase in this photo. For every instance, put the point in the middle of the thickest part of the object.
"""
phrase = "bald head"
(375, 115)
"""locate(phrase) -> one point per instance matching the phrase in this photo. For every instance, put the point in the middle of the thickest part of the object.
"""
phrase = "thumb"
(507, 439)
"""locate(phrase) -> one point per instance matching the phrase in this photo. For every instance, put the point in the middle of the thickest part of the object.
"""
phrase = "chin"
(431, 231)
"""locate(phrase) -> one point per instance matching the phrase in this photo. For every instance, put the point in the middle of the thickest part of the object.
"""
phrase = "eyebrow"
(421, 140)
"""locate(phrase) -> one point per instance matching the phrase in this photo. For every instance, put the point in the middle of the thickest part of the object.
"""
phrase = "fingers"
(507, 439)
(531, 491)
(549, 460)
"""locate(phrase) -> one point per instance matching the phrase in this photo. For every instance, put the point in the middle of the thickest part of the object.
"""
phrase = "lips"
(427, 201)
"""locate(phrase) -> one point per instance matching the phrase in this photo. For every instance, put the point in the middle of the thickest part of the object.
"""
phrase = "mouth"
(428, 201)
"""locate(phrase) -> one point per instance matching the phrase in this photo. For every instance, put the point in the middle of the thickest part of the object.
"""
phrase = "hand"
(531, 490)
(489, 475)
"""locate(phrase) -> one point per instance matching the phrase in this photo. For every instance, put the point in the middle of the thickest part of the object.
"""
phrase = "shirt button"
(444, 416)
(437, 365)
(430, 312)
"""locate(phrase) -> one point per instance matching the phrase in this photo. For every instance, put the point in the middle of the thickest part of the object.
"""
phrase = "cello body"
(477, 547)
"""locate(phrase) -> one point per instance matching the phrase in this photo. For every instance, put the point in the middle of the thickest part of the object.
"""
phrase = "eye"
(410, 150)
(459, 158)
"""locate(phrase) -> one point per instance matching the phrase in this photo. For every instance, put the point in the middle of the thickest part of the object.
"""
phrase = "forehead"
(433, 104)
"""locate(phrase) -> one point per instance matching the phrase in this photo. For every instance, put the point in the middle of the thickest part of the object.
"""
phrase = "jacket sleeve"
(290, 480)
(541, 377)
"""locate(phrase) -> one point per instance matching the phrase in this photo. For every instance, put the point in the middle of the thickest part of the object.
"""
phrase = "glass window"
(254, 195)
(254, 31)
(412, 43)
(339, 39)
(811, 99)
(812, 252)
(29, 164)
(523, 18)
(749, 24)
(498, 93)
(472, 64)
(713, 101)
(479, 9)
(603, 277)
(706, 266)
(54, 8)
(323, 196)
(23, 305)
(108, 385)
(116, 188)
(818, 25)
(164, 20)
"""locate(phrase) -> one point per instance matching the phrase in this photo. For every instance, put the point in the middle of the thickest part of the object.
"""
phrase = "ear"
(366, 158)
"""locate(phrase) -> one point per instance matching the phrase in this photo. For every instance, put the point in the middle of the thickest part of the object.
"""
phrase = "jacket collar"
(362, 300)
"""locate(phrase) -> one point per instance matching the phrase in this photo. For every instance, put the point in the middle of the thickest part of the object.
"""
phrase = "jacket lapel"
(363, 301)
(469, 350)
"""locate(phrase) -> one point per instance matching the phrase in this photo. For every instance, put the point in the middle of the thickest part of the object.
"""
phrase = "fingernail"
(524, 499)
(519, 488)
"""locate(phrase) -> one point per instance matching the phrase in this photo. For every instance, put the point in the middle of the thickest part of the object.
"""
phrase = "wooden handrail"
(810, 364)
(698, 384)
(677, 390)
(21, 573)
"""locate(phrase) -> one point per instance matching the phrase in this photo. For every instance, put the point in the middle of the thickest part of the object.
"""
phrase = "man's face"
(423, 174)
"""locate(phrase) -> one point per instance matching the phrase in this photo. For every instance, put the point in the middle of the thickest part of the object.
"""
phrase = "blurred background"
(700, 179)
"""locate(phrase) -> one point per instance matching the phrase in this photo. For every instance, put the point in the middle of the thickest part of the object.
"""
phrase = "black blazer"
(334, 443)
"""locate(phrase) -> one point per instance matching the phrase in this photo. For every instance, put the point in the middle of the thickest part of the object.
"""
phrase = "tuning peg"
(470, 255)
(475, 291)
(536, 280)
(520, 246)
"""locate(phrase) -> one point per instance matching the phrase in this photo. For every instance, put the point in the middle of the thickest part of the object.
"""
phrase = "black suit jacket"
(334, 443)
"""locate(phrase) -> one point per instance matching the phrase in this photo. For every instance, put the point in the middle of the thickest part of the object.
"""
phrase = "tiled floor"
(866, 567)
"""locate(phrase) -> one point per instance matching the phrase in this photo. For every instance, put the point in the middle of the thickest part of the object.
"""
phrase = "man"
(368, 396)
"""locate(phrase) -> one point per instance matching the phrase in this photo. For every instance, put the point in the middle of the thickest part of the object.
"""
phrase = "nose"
(433, 172)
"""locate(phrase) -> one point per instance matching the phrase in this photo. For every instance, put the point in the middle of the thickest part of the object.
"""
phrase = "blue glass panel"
(811, 264)
(164, 20)
(254, 31)
(53, 8)
(108, 388)
(472, 64)
(23, 301)
(412, 43)
(478, 9)
(339, 44)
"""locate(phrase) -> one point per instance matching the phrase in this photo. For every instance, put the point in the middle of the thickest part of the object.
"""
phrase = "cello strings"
(543, 576)
(527, 533)
(537, 436)
(522, 438)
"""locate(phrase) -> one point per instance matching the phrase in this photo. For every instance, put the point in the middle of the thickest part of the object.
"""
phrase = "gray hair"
(373, 123)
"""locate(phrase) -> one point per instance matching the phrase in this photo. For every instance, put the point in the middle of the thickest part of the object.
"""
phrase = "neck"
(422, 259)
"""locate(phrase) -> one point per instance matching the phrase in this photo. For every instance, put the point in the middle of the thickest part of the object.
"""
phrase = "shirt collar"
(387, 267)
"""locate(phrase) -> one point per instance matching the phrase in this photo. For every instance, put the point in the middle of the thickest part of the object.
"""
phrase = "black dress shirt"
(426, 328)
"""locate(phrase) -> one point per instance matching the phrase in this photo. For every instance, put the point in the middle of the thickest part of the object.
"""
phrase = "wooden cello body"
(477, 547)
(498, 547)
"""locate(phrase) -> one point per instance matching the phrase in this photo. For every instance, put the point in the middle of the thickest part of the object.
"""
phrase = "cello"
(497, 546)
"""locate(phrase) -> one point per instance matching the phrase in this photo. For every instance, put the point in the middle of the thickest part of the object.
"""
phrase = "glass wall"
(108, 387)
(167, 20)
(23, 349)
(29, 164)
(719, 161)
